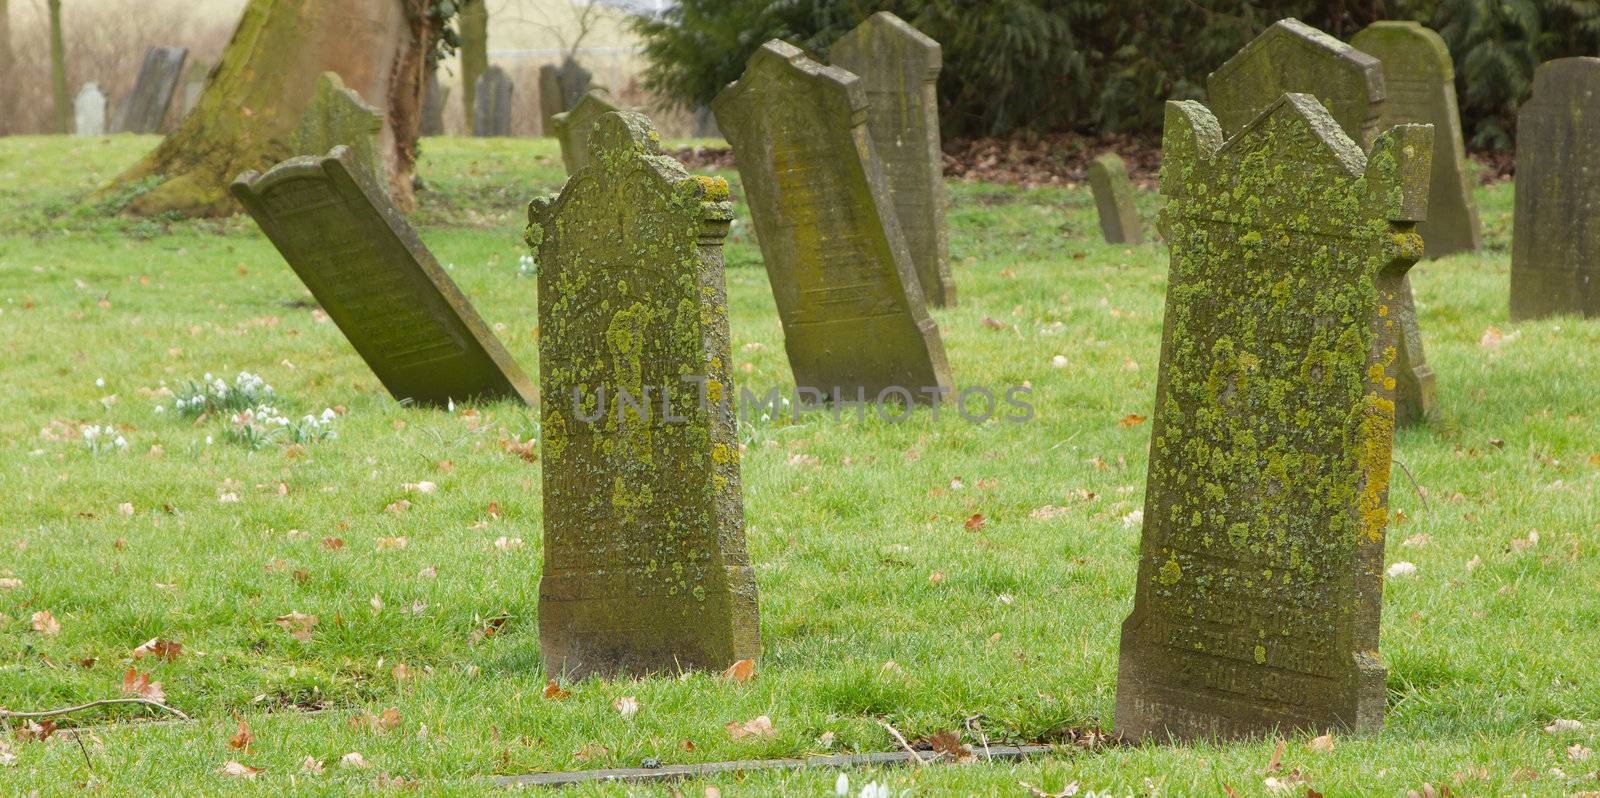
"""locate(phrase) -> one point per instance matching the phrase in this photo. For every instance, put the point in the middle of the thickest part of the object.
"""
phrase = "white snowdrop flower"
(328, 414)
(841, 785)
(208, 377)
(100, 382)
(450, 404)
(122, 443)
(90, 433)
(875, 790)
(160, 410)
(1400, 570)
(208, 440)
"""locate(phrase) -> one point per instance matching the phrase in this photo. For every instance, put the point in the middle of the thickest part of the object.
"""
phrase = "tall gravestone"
(847, 294)
(1261, 558)
(1113, 198)
(645, 568)
(434, 99)
(550, 99)
(574, 81)
(573, 127)
(1555, 240)
(89, 111)
(144, 110)
(338, 116)
(899, 70)
(378, 283)
(1291, 56)
(492, 98)
(1419, 86)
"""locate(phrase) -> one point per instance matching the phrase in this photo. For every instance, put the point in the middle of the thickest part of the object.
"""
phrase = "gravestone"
(378, 283)
(434, 99)
(1291, 56)
(899, 70)
(574, 81)
(645, 568)
(1261, 558)
(89, 111)
(144, 110)
(338, 116)
(573, 127)
(848, 297)
(1419, 86)
(492, 96)
(1555, 244)
(550, 100)
(194, 84)
(1113, 198)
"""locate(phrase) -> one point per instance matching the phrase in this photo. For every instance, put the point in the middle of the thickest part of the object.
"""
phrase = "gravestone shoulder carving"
(1113, 199)
(338, 116)
(573, 127)
(145, 108)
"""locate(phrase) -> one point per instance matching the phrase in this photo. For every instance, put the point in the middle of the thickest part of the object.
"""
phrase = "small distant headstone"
(492, 117)
(338, 116)
(574, 81)
(573, 127)
(1555, 240)
(89, 111)
(645, 567)
(1261, 558)
(899, 70)
(194, 85)
(144, 110)
(376, 280)
(705, 124)
(434, 99)
(1113, 197)
(550, 100)
(854, 321)
(1419, 84)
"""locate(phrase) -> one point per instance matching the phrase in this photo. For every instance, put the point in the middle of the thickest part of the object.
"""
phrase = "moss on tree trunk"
(58, 70)
(474, 54)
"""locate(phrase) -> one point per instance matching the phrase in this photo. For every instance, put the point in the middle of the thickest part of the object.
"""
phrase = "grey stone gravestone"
(573, 127)
(1419, 86)
(550, 100)
(144, 110)
(645, 568)
(848, 296)
(574, 81)
(1113, 198)
(194, 84)
(1555, 241)
(378, 283)
(492, 95)
(89, 111)
(1291, 56)
(338, 116)
(1261, 559)
(434, 99)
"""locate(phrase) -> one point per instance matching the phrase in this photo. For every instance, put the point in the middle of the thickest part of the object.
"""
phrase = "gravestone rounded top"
(1418, 50)
(1292, 56)
(1565, 78)
(885, 38)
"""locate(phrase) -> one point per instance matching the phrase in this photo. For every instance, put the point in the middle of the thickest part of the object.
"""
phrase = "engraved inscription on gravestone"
(572, 127)
(492, 95)
(89, 111)
(1113, 198)
(337, 115)
(146, 107)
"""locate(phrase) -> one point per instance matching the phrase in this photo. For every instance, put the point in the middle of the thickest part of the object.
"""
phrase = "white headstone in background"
(89, 111)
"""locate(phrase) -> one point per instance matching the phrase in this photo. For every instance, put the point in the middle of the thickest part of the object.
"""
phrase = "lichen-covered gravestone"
(1260, 563)
(1292, 56)
(146, 107)
(573, 127)
(550, 100)
(492, 96)
(1419, 86)
(378, 283)
(847, 294)
(337, 115)
(645, 568)
(899, 70)
(1113, 198)
(1555, 241)
(89, 111)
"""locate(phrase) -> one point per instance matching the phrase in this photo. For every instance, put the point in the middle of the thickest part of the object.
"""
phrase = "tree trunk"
(257, 93)
(474, 53)
(58, 71)
(8, 61)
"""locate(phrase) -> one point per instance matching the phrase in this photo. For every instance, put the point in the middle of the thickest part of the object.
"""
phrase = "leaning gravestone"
(645, 568)
(1555, 242)
(899, 70)
(852, 310)
(492, 96)
(1113, 198)
(573, 127)
(1260, 566)
(1419, 84)
(550, 100)
(89, 111)
(338, 116)
(1291, 56)
(376, 280)
(434, 98)
(145, 109)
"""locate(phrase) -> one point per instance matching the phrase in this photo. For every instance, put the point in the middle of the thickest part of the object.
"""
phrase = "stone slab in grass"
(492, 96)
(145, 108)
(1555, 241)
(1113, 200)
(572, 127)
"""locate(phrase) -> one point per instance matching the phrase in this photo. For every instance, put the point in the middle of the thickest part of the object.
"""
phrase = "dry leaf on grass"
(297, 624)
(10, 583)
(1065, 792)
(241, 739)
(139, 684)
(354, 761)
(44, 623)
(313, 766)
(1322, 745)
(155, 647)
(948, 743)
(740, 672)
(1131, 420)
(7, 757)
(976, 522)
(553, 691)
(1562, 725)
(760, 726)
(626, 706)
(238, 770)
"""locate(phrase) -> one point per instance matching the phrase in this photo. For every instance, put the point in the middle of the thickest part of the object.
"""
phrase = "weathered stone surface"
(337, 115)
(1555, 242)
(645, 568)
(847, 294)
(145, 109)
(1113, 198)
(899, 70)
(550, 100)
(492, 98)
(1419, 86)
(434, 99)
(1260, 565)
(89, 111)
(573, 127)
(194, 84)
(376, 280)
(574, 81)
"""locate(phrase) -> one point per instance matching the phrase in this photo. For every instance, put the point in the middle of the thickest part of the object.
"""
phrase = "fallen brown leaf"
(759, 726)
(44, 623)
(553, 691)
(740, 672)
(155, 647)
(238, 770)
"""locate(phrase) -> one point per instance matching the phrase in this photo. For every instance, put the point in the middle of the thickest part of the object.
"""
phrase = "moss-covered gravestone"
(573, 127)
(145, 108)
(1555, 241)
(1291, 56)
(491, 114)
(377, 281)
(645, 568)
(550, 100)
(1261, 558)
(899, 70)
(337, 115)
(1419, 86)
(853, 316)
(1113, 198)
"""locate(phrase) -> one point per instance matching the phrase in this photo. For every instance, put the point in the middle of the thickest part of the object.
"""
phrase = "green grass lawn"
(878, 598)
